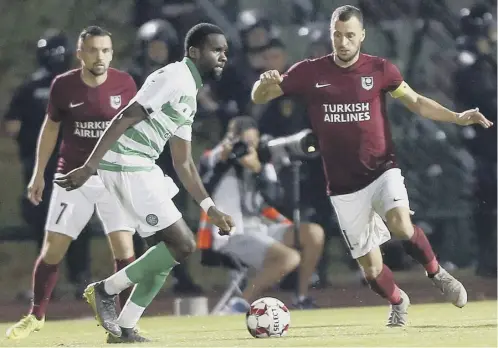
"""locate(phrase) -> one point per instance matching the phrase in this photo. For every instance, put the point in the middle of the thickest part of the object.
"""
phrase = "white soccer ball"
(268, 317)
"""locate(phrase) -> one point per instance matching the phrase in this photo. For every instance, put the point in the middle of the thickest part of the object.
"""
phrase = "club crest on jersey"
(367, 82)
(115, 101)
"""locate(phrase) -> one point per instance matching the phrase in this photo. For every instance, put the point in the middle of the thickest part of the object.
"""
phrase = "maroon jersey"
(347, 110)
(85, 112)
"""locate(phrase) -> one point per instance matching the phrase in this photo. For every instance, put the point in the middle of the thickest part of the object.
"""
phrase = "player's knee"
(122, 244)
(371, 263)
(372, 271)
(54, 248)
(185, 249)
(399, 222)
(314, 235)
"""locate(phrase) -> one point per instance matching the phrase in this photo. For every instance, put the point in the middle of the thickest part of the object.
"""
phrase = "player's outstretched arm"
(189, 176)
(431, 109)
(128, 117)
(267, 87)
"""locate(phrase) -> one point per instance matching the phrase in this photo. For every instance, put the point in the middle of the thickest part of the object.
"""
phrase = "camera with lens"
(301, 145)
(282, 150)
(239, 149)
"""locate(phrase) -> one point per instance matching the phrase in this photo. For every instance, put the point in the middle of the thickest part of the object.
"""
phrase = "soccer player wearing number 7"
(81, 103)
(345, 93)
(163, 110)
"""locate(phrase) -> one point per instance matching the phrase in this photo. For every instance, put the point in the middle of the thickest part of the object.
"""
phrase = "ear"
(363, 33)
(112, 55)
(78, 53)
(194, 52)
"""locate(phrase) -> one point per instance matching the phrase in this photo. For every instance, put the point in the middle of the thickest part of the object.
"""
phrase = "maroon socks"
(384, 285)
(420, 249)
(44, 279)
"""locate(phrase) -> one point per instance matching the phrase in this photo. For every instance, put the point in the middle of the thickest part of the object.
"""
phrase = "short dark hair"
(346, 12)
(240, 124)
(196, 36)
(93, 30)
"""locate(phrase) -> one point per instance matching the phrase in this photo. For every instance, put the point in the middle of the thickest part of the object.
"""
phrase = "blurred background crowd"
(446, 49)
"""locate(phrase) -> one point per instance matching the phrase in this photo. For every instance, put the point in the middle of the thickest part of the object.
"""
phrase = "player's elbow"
(181, 164)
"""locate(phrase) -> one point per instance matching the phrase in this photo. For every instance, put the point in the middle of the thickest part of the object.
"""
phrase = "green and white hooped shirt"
(170, 97)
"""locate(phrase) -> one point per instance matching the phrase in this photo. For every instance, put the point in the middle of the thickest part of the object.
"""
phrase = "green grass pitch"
(434, 325)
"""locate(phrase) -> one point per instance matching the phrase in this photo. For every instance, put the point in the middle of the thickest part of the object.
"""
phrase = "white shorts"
(361, 214)
(70, 211)
(251, 246)
(146, 197)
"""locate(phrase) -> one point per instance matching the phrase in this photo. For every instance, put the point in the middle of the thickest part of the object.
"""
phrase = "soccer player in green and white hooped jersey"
(163, 110)
(139, 147)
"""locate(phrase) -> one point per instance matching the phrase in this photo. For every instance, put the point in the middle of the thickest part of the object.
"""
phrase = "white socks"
(117, 283)
(130, 315)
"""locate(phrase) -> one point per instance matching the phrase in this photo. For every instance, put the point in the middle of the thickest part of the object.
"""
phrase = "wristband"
(206, 204)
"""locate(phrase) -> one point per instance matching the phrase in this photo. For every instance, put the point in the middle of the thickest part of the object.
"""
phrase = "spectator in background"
(232, 93)
(158, 44)
(319, 47)
(264, 240)
(181, 13)
(475, 81)
(23, 122)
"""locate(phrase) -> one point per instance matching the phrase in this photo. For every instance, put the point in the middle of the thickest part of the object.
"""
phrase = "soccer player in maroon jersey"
(81, 103)
(345, 93)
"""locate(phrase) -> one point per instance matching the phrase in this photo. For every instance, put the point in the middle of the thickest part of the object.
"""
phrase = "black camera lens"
(239, 149)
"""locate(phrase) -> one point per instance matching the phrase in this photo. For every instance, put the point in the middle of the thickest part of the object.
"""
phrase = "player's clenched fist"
(222, 220)
(270, 77)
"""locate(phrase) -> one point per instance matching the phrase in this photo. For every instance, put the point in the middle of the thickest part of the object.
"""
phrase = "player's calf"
(46, 271)
(413, 238)
(119, 264)
(380, 277)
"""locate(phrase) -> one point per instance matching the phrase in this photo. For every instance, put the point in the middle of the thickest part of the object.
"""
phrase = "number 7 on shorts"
(64, 206)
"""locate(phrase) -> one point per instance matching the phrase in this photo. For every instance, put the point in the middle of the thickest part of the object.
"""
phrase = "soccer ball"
(268, 317)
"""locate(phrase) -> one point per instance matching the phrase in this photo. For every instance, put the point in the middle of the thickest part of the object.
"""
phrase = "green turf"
(434, 325)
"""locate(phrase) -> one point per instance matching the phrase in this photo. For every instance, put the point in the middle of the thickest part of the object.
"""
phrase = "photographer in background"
(242, 185)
